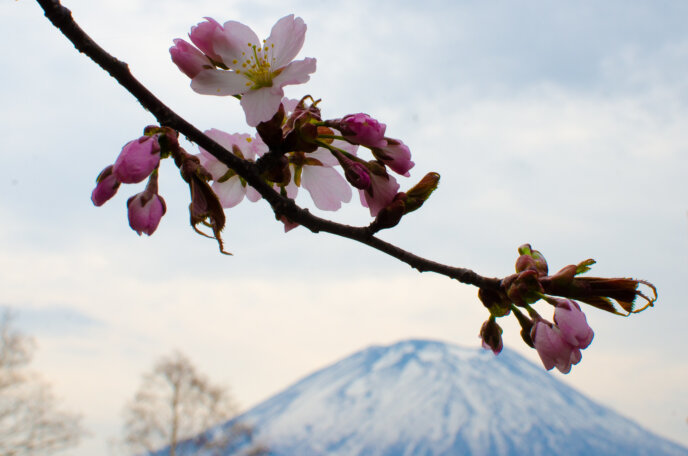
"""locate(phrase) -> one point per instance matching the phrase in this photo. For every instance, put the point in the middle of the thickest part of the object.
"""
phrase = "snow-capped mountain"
(431, 398)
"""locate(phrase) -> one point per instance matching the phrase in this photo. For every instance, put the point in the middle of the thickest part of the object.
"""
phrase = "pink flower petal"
(188, 59)
(553, 349)
(381, 192)
(202, 36)
(573, 324)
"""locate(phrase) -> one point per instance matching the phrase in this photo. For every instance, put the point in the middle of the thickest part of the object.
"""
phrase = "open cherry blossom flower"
(227, 185)
(257, 70)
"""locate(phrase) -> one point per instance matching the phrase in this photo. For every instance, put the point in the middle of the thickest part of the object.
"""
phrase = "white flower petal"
(227, 141)
(252, 194)
(230, 192)
(324, 156)
(220, 82)
(296, 72)
(260, 105)
(234, 43)
(327, 187)
(286, 40)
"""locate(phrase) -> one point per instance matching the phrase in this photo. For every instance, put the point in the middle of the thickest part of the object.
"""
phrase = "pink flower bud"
(202, 36)
(362, 129)
(396, 155)
(106, 187)
(137, 160)
(552, 347)
(188, 59)
(145, 211)
(357, 175)
(383, 188)
(572, 323)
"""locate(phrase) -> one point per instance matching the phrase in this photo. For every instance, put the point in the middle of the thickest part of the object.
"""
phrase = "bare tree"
(177, 407)
(30, 423)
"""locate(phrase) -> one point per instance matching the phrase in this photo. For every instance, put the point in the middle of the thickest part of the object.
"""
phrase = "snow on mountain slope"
(430, 398)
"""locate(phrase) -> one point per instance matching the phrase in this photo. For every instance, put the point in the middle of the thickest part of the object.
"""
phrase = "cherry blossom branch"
(288, 141)
(61, 18)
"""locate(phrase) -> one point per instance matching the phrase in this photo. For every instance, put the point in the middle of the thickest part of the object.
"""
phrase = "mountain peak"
(424, 397)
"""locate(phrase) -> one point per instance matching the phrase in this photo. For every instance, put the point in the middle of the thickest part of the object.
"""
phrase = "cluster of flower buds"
(138, 160)
(559, 342)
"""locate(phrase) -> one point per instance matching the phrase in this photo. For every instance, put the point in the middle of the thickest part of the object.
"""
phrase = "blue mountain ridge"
(429, 398)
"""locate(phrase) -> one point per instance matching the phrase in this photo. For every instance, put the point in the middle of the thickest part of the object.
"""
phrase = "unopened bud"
(531, 259)
(523, 288)
(491, 335)
(419, 193)
(526, 327)
(106, 186)
(390, 215)
(496, 302)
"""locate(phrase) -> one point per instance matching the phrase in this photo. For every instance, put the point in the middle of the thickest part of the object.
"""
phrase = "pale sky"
(562, 124)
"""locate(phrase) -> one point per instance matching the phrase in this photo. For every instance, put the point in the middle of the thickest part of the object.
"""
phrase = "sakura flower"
(227, 185)
(553, 348)
(257, 70)
(572, 323)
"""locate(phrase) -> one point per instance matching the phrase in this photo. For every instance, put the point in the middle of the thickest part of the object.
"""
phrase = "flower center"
(257, 66)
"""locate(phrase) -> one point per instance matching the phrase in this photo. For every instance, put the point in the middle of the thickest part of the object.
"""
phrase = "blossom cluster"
(558, 342)
(293, 147)
(138, 160)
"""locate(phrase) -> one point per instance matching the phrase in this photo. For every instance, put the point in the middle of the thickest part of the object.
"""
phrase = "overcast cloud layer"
(562, 125)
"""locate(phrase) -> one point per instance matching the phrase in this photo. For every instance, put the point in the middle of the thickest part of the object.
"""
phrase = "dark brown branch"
(61, 18)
